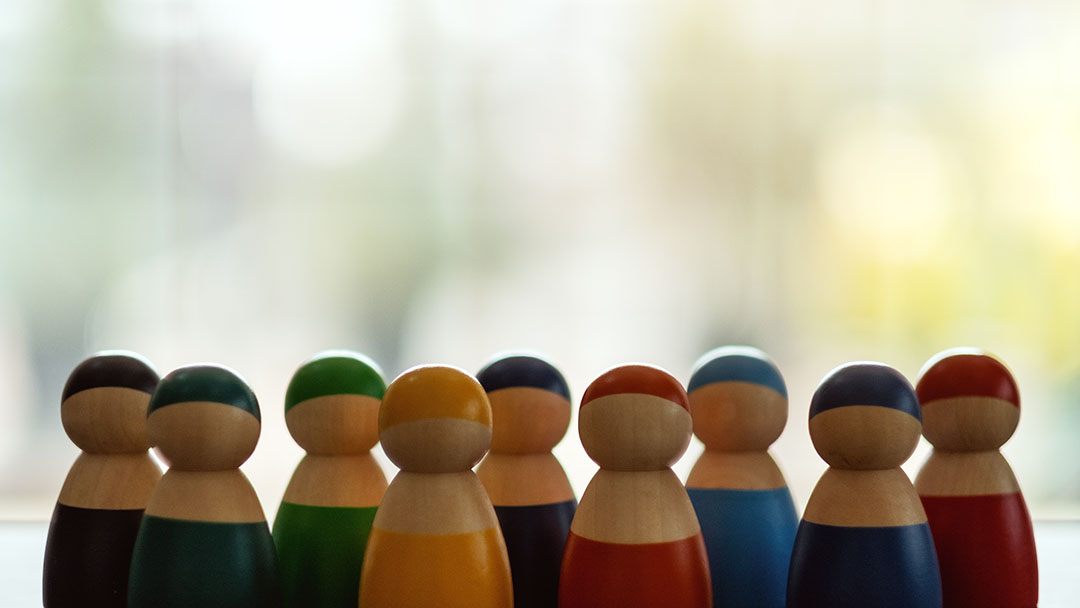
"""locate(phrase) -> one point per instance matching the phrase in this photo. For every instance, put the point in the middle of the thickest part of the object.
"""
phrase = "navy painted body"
(864, 567)
(88, 555)
(748, 537)
(535, 537)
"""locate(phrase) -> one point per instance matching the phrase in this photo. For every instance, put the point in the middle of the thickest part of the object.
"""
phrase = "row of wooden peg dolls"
(512, 533)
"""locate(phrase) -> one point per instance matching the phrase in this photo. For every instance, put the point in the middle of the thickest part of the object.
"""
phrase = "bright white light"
(153, 22)
(329, 85)
(888, 184)
(20, 18)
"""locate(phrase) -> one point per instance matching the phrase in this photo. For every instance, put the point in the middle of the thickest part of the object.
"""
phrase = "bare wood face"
(969, 424)
(335, 424)
(203, 435)
(436, 445)
(107, 420)
(864, 437)
(634, 431)
(738, 416)
(527, 420)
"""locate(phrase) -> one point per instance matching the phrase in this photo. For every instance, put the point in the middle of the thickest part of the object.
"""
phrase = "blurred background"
(252, 181)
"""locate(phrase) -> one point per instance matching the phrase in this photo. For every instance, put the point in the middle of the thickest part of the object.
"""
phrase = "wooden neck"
(218, 496)
(635, 507)
(435, 503)
(864, 499)
(110, 481)
(966, 474)
(337, 481)
(524, 479)
(736, 470)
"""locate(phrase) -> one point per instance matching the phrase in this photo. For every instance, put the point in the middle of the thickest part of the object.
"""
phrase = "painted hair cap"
(523, 371)
(112, 368)
(865, 383)
(335, 372)
(637, 378)
(205, 382)
(966, 372)
(737, 364)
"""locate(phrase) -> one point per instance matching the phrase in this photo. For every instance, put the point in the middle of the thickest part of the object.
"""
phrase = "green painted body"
(185, 563)
(321, 551)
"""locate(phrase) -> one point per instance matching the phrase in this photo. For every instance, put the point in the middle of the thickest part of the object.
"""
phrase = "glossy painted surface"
(967, 374)
(865, 384)
(863, 567)
(335, 373)
(119, 369)
(410, 397)
(186, 563)
(88, 556)
(210, 383)
(986, 550)
(748, 537)
(466, 570)
(535, 538)
(598, 574)
(637, 379)
(736, 364)
(519, 371)
(320, 552)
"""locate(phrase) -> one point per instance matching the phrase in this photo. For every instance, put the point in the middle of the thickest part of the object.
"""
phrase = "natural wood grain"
(203, 435)
(737, 416)
(110, 481)
(527, 420)
(968, 424)
(864, 498)
(864, 437)
(635, 507)
(107, 420)
(634, 432)
(524, 479)
(335, 424)
(435, 503)
(337, 481)
(221, 496)
(966, 474)
(736, 470)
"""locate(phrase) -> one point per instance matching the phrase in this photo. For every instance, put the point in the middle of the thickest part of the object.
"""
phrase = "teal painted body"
(182, 563)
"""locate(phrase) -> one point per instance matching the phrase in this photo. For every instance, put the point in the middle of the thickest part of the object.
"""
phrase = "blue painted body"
(748, 537)
(864, 567)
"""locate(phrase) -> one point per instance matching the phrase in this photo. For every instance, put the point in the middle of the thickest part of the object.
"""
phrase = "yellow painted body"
(469, 570)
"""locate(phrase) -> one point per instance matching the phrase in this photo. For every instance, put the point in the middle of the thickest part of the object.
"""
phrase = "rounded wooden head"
(635, 418)
(865, 416)
(435, 419)
(332, 403)
(204, 418)
(970, 401)
(103, 407)
(738, 399)
(530, 404)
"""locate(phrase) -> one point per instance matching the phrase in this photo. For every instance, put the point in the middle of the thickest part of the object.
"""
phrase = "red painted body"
(597, 574)
(986, 549)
